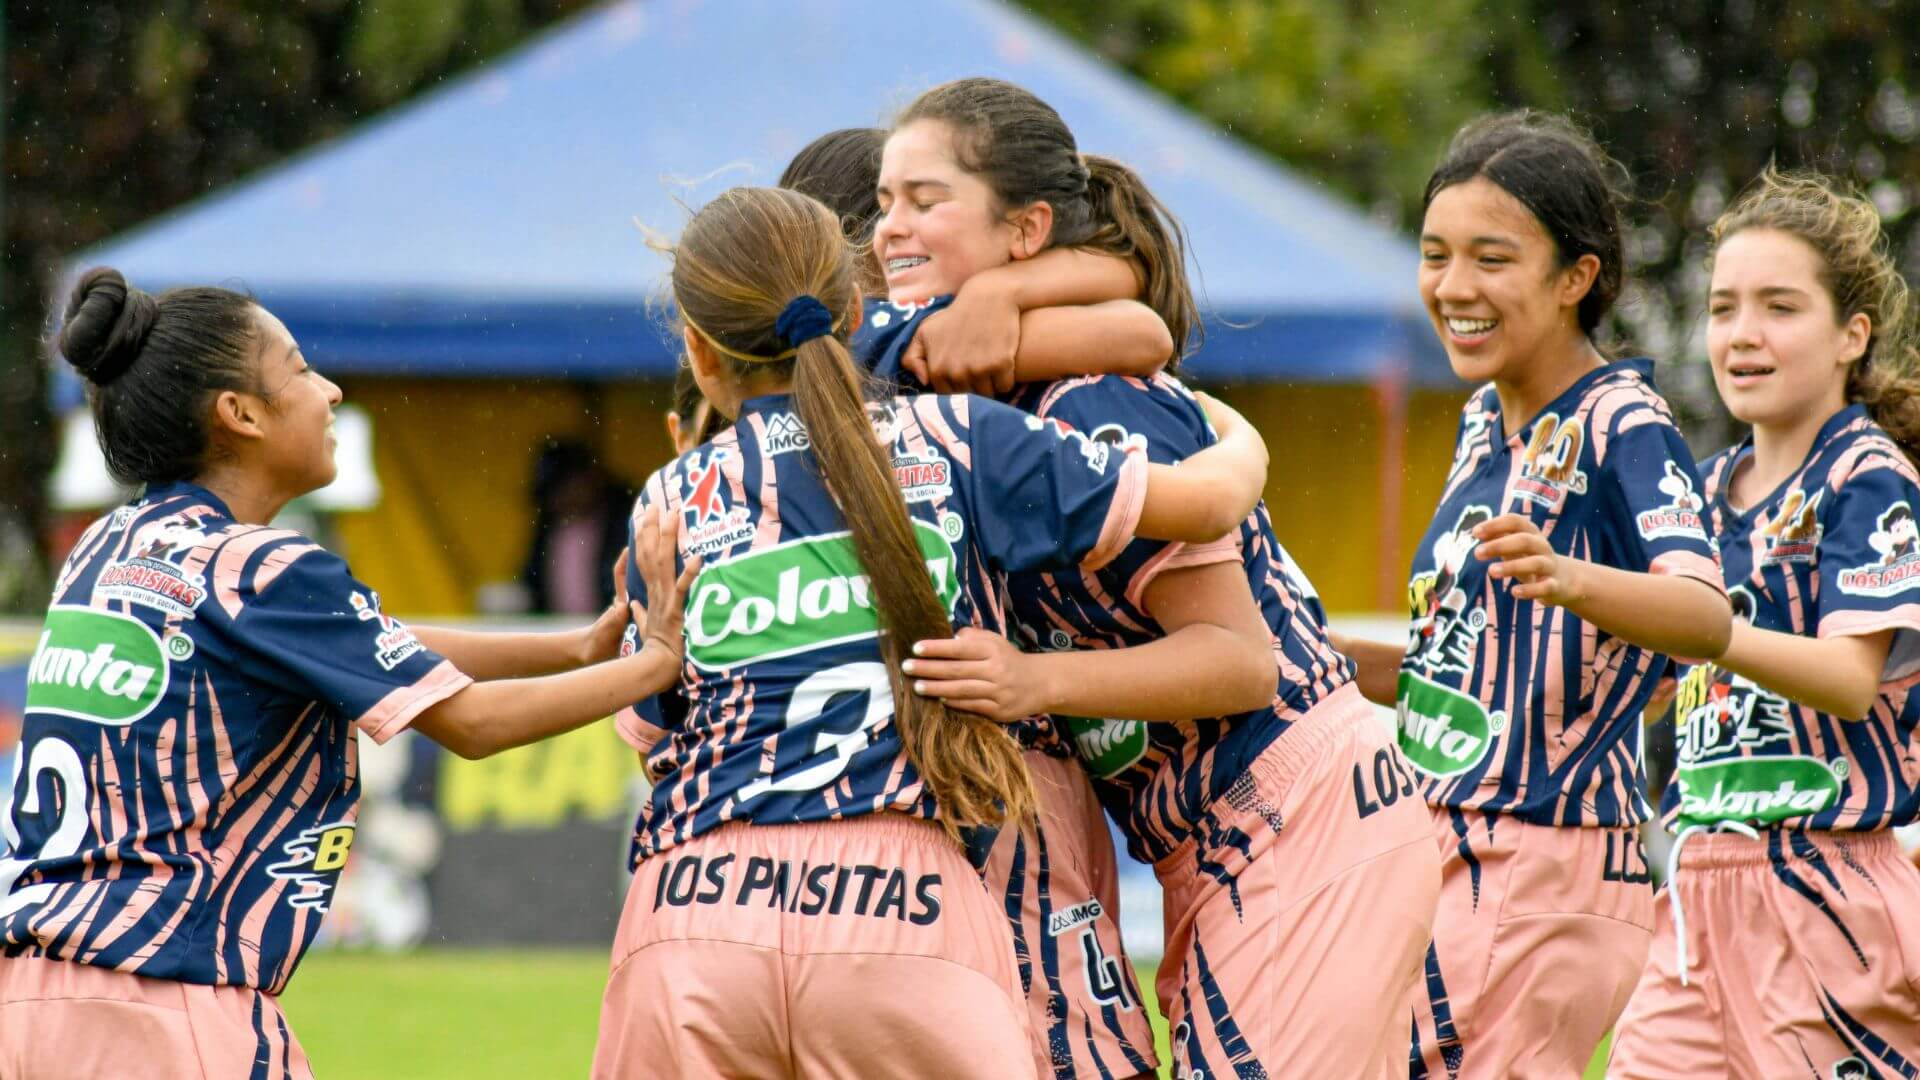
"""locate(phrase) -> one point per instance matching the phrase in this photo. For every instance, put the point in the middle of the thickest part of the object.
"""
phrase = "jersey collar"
(1835, 424)
(178, 489)
(1570, 397)
(766, 403)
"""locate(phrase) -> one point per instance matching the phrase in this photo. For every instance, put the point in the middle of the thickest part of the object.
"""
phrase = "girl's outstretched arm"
(488, 717)
(1839, 676)
(1672, 615)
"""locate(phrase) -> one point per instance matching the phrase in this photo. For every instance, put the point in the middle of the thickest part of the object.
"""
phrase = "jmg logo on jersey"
(96, 665)
(1442, 730)
(793, 597)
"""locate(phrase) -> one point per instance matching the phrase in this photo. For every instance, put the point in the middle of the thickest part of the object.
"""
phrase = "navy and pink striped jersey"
(189, 777)
(789, 708)
(1158, 780)
(1833, 550)
(1516, 707)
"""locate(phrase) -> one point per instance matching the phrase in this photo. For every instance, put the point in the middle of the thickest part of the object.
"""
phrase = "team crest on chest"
(1793, 534)
(1897, 541)
(1551, 466)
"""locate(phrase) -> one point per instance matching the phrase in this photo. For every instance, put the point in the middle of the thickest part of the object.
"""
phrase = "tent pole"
(1389, 392)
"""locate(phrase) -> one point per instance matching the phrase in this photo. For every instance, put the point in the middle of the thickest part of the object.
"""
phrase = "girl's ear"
(237, 415)
(1032, 229)
(1577, 280)
(1856, 335)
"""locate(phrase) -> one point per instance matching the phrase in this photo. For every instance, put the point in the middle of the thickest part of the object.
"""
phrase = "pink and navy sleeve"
(1154, 418)
(1660, 515)
(1045, 497)
(321, 633)
(1870, 564)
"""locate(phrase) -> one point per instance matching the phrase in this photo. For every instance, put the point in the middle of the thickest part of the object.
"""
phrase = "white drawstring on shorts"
(1673, 882)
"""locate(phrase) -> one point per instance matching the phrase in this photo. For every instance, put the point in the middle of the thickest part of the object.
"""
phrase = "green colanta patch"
(1107, 747)
(795, 597)
(96, 665)
(1442, 731)
(1761, 791)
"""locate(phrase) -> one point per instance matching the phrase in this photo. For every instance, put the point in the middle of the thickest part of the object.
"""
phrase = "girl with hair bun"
(1780, 950)
(800, 882)
(1566, 562)
(189, 782)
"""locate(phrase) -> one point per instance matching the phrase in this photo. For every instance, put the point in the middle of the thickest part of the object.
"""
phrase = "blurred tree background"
(118, 110)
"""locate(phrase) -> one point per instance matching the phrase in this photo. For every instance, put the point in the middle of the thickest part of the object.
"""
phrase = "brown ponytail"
(742, 259)
(1025, 153)
(1130, 222)
(1858, 270)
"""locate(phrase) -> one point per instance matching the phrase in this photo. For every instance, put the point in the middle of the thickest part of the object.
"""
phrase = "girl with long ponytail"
(1778, 948)
(800, 878)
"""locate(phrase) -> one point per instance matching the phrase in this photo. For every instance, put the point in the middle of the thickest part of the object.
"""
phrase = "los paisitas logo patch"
(800, 595)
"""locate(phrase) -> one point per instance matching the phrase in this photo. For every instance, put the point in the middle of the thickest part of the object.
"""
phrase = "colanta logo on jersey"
(712, 525)
(784, 433)
(1681, 514)
(99, 666)
(313, 862)
(1793, 534)
(1551, 466)
(1897, 541)
(1107, 747)
(797, 596)
(394, 643)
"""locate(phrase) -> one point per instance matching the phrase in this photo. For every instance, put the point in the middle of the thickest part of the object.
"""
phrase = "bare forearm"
(486, 654)
(489, 717)
(1062, 277)
(1838, 676)
(1674, 615)
(1122, 338)
(1376, 666)
(1196, 671)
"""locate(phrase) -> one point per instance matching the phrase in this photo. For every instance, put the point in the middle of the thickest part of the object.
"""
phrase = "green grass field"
(468, 1014)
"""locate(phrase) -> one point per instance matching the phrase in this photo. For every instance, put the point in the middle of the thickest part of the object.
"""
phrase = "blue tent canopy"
(489, 228)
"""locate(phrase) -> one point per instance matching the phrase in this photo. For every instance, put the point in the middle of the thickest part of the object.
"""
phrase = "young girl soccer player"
(794, 910)
(189, 786)
(976, 175)
(1780, 952)
(1081, 993)
(1566, 561)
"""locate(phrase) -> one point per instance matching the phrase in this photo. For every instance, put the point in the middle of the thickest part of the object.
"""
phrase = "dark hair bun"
(106, 325)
